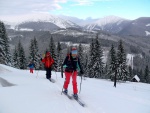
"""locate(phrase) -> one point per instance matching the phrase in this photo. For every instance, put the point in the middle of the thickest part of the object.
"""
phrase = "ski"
(79, 101)
(70, 97)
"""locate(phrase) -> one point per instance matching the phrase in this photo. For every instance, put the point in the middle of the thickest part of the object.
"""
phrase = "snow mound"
(5, 83)
(4, 68)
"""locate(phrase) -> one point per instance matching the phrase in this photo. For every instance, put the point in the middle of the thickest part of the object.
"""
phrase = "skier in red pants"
(71, 65)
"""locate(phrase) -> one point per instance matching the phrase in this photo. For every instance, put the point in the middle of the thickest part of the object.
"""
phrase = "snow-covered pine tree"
(59, 60)
(81, 56)
(5, 57)
(21, 56)
(130, 72)
(31, 51)
(98, 65)
(90, 70)
(15, 59)
(85, 69)
(34, 53)
(106, 71)
(140, 74)
(2, 57)
(146, 74)
(122, 73)
(95, 64)
(112, 62)
(52, 49)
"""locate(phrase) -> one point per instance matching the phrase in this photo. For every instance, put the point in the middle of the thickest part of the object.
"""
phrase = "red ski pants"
(74, 81)
(31, 70)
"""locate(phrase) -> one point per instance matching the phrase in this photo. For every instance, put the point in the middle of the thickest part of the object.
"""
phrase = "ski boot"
(65, 91)
(75, 96)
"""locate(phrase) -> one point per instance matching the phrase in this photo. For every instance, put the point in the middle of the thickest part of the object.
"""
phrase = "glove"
(81, 71)
(41, 59)
(64, 66)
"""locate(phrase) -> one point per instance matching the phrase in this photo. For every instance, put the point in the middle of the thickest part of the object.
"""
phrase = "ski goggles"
(74, 52)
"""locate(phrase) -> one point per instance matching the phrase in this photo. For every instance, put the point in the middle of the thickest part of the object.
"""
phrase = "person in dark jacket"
(48, 62)
(31, 66)
(72, 65)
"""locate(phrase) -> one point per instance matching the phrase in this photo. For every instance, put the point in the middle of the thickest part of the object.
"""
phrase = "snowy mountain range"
(41, 22)
(47, 22)
(110, 24)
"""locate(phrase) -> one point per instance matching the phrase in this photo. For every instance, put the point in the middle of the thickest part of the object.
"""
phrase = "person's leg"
(67, 79)
(49, 73)
(31, 70)
(47, 76)
(74, 82)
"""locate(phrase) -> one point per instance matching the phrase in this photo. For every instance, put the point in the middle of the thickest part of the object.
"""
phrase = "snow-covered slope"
(33, 93)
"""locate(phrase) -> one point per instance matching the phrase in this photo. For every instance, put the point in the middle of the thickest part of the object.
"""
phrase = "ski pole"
(37, 73)
(62, 90)
(80, 83)
(56, 75)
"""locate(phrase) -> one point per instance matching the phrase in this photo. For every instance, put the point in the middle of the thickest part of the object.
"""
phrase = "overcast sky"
(129, 9)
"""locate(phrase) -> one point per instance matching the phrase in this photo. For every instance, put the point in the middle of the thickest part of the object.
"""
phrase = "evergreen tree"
(81, 56)
(21, 56)
(90, 70)
(2, 54)
(141, 76)
(106, 71)
(59, 60)
(95, 64)
(98, 56)
(15, 59)
(146, 74)
(113, 60)
(52, 49)
(34, 54)
(130, 72)
(122, 73)
(85, 69)
(5, 57)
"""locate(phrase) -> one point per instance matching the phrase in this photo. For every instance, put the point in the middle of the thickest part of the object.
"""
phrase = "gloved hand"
(41, 59)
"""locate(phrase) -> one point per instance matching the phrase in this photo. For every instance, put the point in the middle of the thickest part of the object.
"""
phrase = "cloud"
(83, 2)
(88, 2)
(27, 6)
(60, 1)
(18, 7)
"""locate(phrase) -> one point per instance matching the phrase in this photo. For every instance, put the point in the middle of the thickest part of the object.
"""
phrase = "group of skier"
(71, 66)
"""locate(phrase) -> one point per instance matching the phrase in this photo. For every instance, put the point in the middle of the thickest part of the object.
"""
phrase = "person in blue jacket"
(31, 66)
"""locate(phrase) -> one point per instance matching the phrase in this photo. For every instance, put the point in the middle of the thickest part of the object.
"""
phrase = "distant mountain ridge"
(47, 22)
(137, 27)
(117, 25)
(111, 24)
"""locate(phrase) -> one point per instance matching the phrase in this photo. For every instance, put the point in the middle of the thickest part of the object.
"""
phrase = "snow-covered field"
(22, 92)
